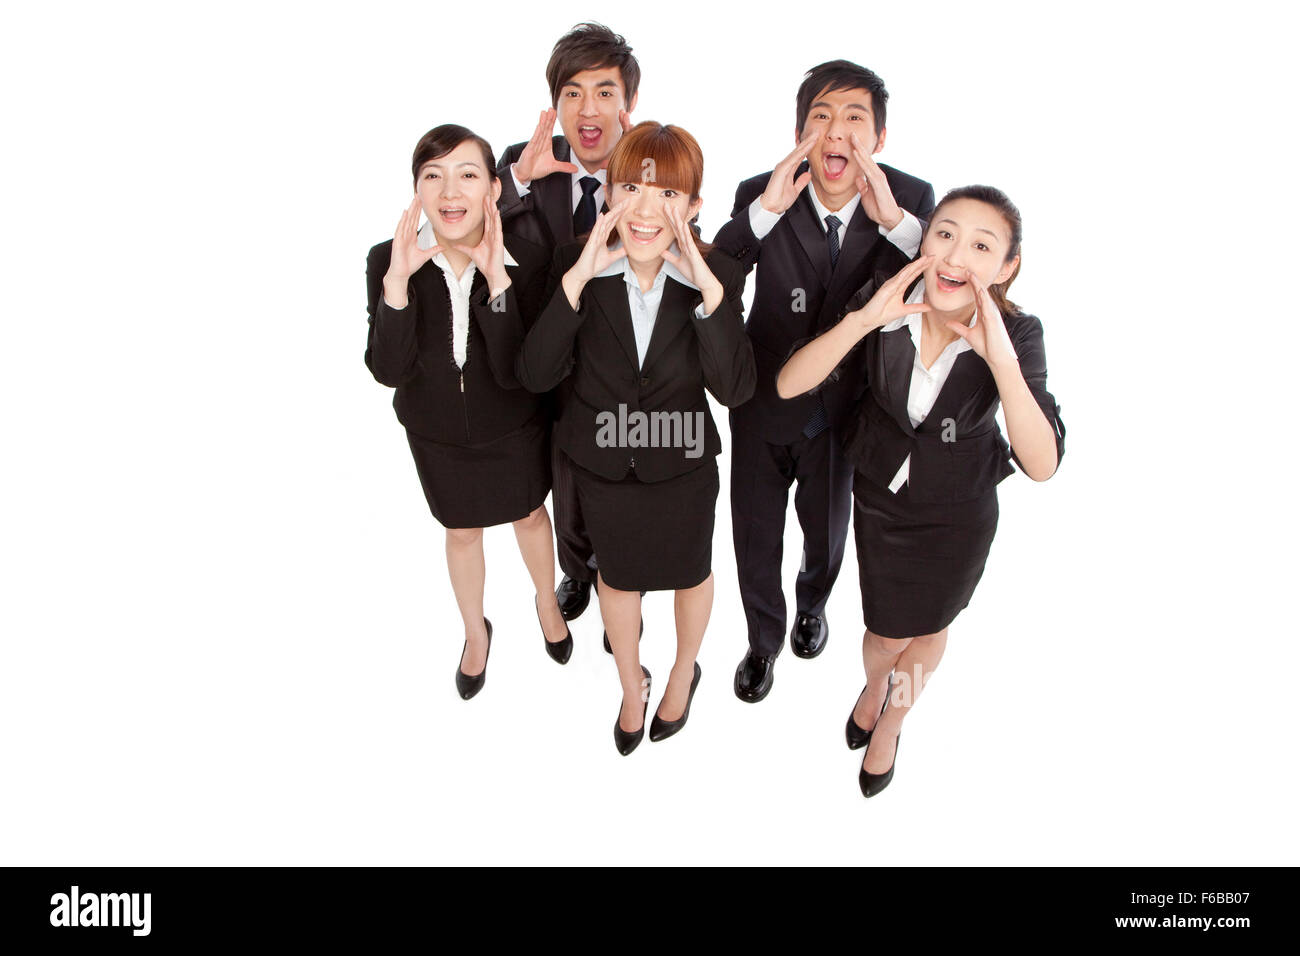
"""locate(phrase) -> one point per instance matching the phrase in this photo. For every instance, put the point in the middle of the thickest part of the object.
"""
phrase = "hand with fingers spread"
(888, 303)
(690, 262)
(407, 256)
(782, 189)
(988, 336)
(596, 255)
(538, 158)
(877, 198)
(489, 256)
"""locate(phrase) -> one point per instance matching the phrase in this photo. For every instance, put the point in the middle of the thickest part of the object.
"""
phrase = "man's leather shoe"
(808, 636)
(754, 676)
(573, 597)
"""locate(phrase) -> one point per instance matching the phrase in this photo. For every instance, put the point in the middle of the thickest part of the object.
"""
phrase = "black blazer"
(544, 215)
(411, 349)
(879, 435)
(596, 347)
(795, 257)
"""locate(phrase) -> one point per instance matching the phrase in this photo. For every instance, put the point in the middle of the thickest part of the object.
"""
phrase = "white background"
(228, 633)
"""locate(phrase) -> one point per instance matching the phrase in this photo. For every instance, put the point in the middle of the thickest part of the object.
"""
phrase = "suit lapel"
(961, 386)
(898, 355)
(610, 295)
(674, 312)
(556, 195)
(803, 220)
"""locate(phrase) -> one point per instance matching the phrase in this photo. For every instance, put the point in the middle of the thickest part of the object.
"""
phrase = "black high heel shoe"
(467, 685)
(624, 741)
(660, 728)
(610, 650)
(561, 649)
(872, 783)
(857, 737)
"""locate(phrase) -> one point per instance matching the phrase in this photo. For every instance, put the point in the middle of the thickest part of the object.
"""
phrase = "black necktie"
(833, 238)
(584, 217)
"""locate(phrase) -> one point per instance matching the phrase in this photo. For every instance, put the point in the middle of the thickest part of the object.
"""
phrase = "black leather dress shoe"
(659, 728)
(808, 636)
(872, 783)
(624, 741)
(754, 676)
(605, 637)
(559, 650)
(855, 735)
(573, 597)
(467, 685)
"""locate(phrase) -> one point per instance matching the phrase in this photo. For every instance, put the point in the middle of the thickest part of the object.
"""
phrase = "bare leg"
(621, 612)
(536, 547)
(912, 670)
(465, 567)
(691, 608)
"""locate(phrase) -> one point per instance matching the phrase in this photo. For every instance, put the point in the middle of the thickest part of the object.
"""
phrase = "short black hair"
(840, 75)
(441, 140)
(591, 46)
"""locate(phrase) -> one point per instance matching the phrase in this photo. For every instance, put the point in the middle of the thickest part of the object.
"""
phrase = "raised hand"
(690, 263)
(988, 336)
(489, 256)
(596, 255)
(782, 191)
(877, 198)
(888, 304)
(407, 256)
(538, 158)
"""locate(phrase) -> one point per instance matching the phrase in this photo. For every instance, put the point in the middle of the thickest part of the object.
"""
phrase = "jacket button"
(645, 380)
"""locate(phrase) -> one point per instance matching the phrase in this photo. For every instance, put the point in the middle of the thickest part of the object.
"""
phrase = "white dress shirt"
(644, 306)
(575, 187)
(906, 235)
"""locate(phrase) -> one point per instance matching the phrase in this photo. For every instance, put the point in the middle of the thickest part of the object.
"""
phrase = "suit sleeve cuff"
(760, 220)
(906, 235)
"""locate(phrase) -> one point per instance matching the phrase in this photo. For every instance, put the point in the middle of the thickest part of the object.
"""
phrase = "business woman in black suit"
(642, 329)
(942, 348)
(449, 305)
(815, 227)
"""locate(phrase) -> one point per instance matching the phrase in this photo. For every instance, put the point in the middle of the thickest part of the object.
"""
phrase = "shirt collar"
(425, 240)
(583, 171)
(623, 267)
(843, 214)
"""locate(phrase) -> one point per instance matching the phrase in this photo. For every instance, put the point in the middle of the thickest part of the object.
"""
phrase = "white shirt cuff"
(520, 188)
(384, 302)
(906, 235)
(699, 312)
(760, 220)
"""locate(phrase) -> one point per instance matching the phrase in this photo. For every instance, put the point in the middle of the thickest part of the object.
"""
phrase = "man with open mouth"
(819, 222)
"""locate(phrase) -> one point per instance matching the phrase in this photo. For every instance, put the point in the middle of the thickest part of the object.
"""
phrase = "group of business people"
(567, 286)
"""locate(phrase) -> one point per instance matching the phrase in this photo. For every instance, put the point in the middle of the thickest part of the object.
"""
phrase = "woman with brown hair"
(449, 305)
(644, 319)
(944, 347)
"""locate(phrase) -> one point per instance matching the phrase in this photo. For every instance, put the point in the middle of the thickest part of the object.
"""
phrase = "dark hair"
(999, 201)
(441, 140)
(591, 46)
(667, 157)
(840, 75)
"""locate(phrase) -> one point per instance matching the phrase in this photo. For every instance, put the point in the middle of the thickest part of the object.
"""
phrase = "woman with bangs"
(449, 305)
(943, 348)
(644, 319)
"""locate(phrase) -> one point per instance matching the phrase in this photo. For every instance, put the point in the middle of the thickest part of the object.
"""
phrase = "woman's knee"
(534, 519)
(464, 537)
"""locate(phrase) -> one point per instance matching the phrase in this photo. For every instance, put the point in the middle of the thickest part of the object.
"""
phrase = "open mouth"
(452, 214)
(834, 164)
(644, 234)
(589, 136)
(949, 283)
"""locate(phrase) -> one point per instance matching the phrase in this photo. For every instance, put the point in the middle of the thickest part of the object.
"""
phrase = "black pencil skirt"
(650, 535)
(479, 486)
(918, 563)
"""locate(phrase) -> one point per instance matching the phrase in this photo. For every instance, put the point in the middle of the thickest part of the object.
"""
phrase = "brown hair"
(591, 46)
(999, 201)
(441, 140)
(666, 157)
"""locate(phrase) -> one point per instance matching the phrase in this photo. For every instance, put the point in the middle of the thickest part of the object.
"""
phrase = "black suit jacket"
(958, 452)
(544, 215)
(411, 349)
(795, 257)
(595, 347)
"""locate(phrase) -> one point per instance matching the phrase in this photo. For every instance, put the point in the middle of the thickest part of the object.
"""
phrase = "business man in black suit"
(818, 222)
(552, 188)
